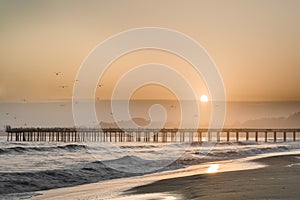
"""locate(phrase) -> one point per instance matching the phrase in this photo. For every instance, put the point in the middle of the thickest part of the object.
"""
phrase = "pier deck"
(149, 135)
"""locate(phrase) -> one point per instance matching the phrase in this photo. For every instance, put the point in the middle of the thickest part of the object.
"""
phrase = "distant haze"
(239, 114)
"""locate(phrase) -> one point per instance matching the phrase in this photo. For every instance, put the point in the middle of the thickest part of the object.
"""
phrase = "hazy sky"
(255, 44)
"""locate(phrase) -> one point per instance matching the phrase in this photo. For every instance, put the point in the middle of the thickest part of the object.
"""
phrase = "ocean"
(27, 167)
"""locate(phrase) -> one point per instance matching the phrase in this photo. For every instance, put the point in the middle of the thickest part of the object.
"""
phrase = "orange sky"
(255, 44)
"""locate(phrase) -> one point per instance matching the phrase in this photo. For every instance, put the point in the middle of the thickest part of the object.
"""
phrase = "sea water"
(33, 166)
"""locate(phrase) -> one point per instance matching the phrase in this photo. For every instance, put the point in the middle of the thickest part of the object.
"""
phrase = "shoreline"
(93, 171)
(280, 179)
(134, 187)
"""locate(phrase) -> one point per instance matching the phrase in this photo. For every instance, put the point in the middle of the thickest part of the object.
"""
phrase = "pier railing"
(150, 135)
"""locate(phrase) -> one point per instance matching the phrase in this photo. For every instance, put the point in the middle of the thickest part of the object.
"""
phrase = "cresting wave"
(22, 149)
(49, 179)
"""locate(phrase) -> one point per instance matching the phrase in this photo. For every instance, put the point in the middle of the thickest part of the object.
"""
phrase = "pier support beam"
(256, 136)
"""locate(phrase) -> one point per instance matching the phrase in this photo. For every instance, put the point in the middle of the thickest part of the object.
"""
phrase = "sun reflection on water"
(213, 168)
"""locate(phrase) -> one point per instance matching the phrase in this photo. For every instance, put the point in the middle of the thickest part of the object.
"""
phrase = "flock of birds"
(57, 74)
(76, 80)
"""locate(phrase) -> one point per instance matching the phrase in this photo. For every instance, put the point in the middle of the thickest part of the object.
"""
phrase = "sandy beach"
(279, 180)
(268, 176)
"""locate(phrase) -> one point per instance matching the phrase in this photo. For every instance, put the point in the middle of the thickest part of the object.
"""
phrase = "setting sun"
(204, 98)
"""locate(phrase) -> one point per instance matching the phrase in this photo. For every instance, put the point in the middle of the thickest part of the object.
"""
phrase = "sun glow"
(204, 98)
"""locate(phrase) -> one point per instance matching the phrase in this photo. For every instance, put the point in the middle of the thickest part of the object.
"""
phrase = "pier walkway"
(150, 135)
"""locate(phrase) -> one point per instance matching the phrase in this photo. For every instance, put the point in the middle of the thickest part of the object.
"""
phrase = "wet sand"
(279, 180)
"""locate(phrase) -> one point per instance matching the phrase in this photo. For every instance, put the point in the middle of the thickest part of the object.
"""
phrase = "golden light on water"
(213, 168)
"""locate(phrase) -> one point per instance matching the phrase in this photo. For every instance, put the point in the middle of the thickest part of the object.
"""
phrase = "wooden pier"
(150, 135)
